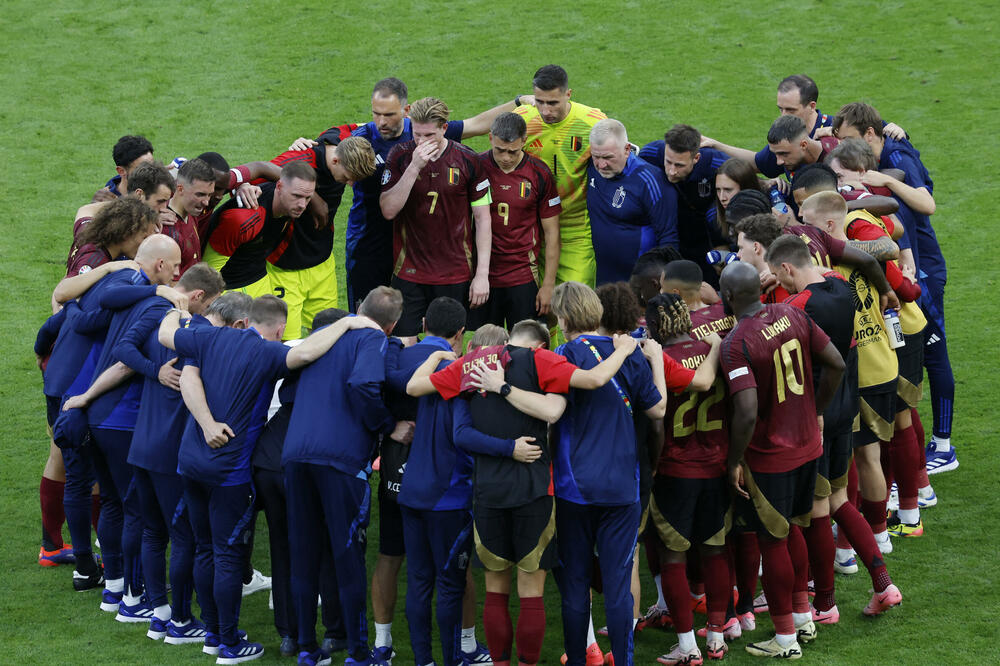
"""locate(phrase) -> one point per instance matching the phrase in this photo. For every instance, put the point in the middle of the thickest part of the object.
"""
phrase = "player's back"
(711, 319)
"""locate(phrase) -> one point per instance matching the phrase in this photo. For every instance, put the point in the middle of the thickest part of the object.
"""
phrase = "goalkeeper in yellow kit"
(559, 135)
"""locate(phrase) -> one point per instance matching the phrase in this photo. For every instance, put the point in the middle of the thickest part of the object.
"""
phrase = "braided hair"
(667, 316)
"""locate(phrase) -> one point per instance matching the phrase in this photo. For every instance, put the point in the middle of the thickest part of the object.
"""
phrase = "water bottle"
(778, 200)
(894, 329)
(716, 258)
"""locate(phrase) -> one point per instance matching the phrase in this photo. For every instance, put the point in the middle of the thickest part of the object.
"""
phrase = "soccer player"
(559, 135)
(525, 206)
(691, 172)
(774, 442)
(631, 207)
(129, 152)
(238, 241)
(684, 278)
(827, 299)
(195, 186)
(326, 477)
(433, 188)
(302, 271)
(916, 198)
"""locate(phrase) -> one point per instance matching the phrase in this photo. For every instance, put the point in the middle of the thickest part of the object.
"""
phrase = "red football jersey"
(185, 232)
(697, 438)
(521, 200)
(712, 319)
(824, 248)
(85, 259)
(433, 238)
(772, 352)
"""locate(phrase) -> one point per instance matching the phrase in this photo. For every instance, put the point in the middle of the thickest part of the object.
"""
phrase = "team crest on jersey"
(453, 175)
(704, 188)
(576, 143)
(619, 199)
(386, 176)
(525, 189)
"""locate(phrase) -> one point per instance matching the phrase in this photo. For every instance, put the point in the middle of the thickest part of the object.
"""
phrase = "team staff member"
(433, 189)
(632, 208)
(775, 441)
(128, 153)
(303, 270)
(691, 171)
(326, 478)
(559, 135)
(525, 206)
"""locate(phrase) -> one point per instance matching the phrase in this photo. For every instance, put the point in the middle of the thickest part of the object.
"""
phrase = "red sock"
(95, 510)
(673, 580)
(885, 457)
(50, 494)
(858, 530)
(778, 579)
(853, 496)
(695, 576)
(874, 513)
(652, 549)
(530, 630)
(718, 589)
(747, 560)
(497, 626)
(800, 563)
(918, 427)
(819, 541)
(905, 463)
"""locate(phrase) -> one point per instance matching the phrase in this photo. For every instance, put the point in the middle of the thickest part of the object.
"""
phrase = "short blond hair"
(429, 110)
(578, 306)
(357, 157)
(828, 204)
(488, 335)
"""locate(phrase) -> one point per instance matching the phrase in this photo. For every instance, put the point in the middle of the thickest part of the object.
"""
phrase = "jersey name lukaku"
(521, 200)
(771, 351)
(433, 236)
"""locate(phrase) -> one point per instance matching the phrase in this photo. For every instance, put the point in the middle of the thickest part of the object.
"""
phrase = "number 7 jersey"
(771, 351)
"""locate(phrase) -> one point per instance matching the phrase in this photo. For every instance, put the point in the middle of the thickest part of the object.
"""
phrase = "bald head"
(740, 287)
(159, 256)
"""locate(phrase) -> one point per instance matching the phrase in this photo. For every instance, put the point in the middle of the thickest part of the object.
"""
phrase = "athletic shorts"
(51, 411)
(390, 525)
(364, 274)
(910, 386)
(416, 298)
(832, 466)
(777, 499)
(688, 512)
(506, 306)
(576, 255)
(878, 413)
(256, 289)
(306, 292)
(522, 536)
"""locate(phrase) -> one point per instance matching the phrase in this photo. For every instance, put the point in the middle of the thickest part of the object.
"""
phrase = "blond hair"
(429, 110)
(488, 335)
(578, 306)
(357, 157)
(830, 205)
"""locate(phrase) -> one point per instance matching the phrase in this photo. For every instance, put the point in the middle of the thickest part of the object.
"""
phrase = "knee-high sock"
(800, 562)
(497, 626)
(905, 455)
(778, 580)
(530, 630)
(859, 532)
(746, 558)
(819, 541)
(718, 588)
(673, 578)
(50, 494)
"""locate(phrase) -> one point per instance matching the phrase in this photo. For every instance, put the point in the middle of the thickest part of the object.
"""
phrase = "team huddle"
(707, 351)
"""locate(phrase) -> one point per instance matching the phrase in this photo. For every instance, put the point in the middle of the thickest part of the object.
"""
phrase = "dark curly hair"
(667, 316)
(117, 222)
(621, 308)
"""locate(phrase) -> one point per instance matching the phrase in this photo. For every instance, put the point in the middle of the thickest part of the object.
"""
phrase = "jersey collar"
(435, 341)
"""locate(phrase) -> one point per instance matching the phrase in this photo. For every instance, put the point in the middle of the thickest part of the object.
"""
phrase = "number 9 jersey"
(771, 351)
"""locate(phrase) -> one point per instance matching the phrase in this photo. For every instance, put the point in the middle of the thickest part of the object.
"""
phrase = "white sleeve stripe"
(239, 175)
(738, 372)
(482, 186)
(555, 201)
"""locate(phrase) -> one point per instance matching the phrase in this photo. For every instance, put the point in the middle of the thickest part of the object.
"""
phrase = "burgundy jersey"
(771, 351)
(712, 319)
(433, 239)
(86, 258)
(74, 248)
(185, 232)
(697, 438)
(521, 200)
(824, 248)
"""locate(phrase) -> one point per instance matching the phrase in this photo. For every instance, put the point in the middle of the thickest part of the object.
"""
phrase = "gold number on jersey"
(701, 422)
(503, 210)
(785, 369)
(434, 202)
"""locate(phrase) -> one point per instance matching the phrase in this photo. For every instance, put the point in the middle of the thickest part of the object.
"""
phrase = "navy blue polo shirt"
(918, 234)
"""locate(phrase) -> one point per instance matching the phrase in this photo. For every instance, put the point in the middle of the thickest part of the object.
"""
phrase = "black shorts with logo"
(521, 536)
(506, 306)
(416, 298)
(777, 499)
(689, 512)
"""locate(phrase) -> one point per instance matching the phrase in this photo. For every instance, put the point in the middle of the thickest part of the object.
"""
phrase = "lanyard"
(614, 382)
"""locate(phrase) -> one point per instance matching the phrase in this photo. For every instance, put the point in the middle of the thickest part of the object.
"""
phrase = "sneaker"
(926, 498)
(140, 612)
(943, 461)
(892, 504)
(213, 642)
(242, 651)
(760, 604)
(716, 650)
(883, 601)
(595, 656)
(288, 647)
(806, 631)
(179, 633)
(481, 655)
(331, 645)
(53, 558)
(748, 621)
(774, 650)
(316, 658)
(257, 583)
(82, 581)
(679, 657)
(846, 567)
(831, 616)
(382, 655)
(731, 630)
(699, 605)
(884, 543)
(157, 628)
(110, 601)
(898, 528)
(657, 617)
